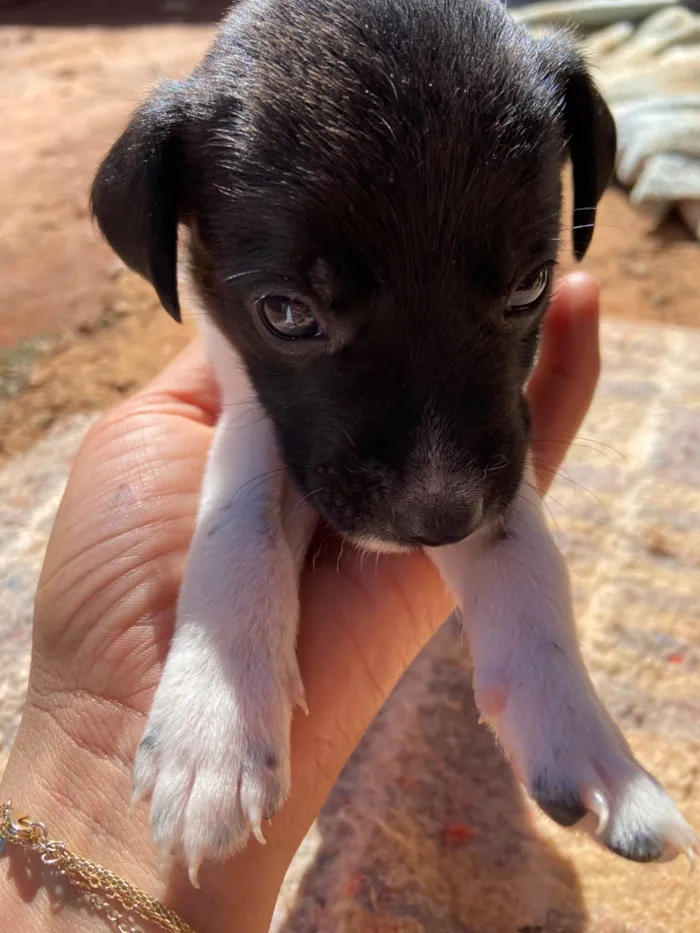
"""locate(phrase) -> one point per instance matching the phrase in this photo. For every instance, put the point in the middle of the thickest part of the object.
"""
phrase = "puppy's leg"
(533, 689)
(215, 754)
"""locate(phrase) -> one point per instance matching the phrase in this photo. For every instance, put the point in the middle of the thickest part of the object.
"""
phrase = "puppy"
(370, 195)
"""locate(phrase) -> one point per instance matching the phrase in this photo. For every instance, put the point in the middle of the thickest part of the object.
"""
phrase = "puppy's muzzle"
(433, 525)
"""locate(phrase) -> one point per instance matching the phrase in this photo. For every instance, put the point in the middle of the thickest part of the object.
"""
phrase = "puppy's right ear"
(592, 144)
(136, 193)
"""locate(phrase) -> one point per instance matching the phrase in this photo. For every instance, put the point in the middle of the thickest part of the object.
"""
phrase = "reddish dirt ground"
(78, 332)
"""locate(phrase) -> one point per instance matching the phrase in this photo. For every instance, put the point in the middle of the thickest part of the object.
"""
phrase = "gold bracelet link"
(107, 892)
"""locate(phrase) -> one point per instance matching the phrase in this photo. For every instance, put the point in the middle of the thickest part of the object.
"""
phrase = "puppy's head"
(371, 190)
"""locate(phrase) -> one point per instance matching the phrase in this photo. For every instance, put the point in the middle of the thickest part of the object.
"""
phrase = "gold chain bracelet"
(107, 892)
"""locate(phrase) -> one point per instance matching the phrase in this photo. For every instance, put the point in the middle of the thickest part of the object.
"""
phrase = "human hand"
(105, 611)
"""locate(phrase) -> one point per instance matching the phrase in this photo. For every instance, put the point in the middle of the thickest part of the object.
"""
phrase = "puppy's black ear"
(136, 192)
(590, 128)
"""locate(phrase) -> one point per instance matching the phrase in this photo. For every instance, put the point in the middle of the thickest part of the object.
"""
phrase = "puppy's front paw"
(214, 757)
(578, 768)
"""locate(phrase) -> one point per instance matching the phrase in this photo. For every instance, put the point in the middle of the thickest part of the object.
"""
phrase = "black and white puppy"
(371, 192)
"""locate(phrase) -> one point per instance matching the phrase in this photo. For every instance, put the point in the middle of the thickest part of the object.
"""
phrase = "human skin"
(104, 616)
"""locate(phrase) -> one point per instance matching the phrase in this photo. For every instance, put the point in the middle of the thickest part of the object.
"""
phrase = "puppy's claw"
(690, 855)
(193, 869)
(297, 693)
(690, 848)
(255, 817)
(598, 805)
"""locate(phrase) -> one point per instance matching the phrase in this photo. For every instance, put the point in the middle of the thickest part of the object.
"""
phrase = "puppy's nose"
(431, 527)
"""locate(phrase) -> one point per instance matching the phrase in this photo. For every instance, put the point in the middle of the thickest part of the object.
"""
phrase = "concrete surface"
(427, 829)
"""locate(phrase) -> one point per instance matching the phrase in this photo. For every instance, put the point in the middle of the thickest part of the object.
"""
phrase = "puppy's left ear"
(590, 131)
(592, 145)
(136, 194)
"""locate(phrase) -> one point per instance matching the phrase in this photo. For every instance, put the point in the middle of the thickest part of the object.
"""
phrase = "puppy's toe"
(645, 825)
(629, 812)
(214, 824)
(168, 803)
(563, 804)
(146, 765)
(640, 846)
(264, 788)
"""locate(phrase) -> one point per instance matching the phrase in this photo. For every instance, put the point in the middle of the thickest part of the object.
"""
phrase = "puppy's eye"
(530, 290)
(289, 317)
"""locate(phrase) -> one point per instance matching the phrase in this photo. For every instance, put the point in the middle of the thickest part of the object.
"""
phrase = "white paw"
(578, 768)
(214, 758)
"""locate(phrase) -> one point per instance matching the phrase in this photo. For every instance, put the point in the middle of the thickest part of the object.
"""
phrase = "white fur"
(215, 754)
(533, 689)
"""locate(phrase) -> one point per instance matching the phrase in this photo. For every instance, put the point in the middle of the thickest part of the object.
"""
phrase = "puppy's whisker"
(604, 226)
(241, 275)
(327, 536)
(592, 447)
(340, 554)
(306, 498)
(253, 499)
(364, 551)
(256, 418)
(250, 423)
(256, 479)
(576, 441)
(568, 438)
(569, 479)
(495, 467)
(316, 555)
(252, 410)
(545, 503)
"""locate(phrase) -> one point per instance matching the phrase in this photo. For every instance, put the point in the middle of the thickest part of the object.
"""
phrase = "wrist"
(81, 791)
(81, 795)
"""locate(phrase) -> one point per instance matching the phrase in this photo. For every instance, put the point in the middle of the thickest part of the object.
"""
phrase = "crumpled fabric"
(645, 56)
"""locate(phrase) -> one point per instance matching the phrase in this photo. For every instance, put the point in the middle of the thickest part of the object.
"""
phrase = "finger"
(564, 381)
(188, 381)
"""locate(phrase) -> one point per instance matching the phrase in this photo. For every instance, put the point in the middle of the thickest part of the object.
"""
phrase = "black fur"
(396, 163)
